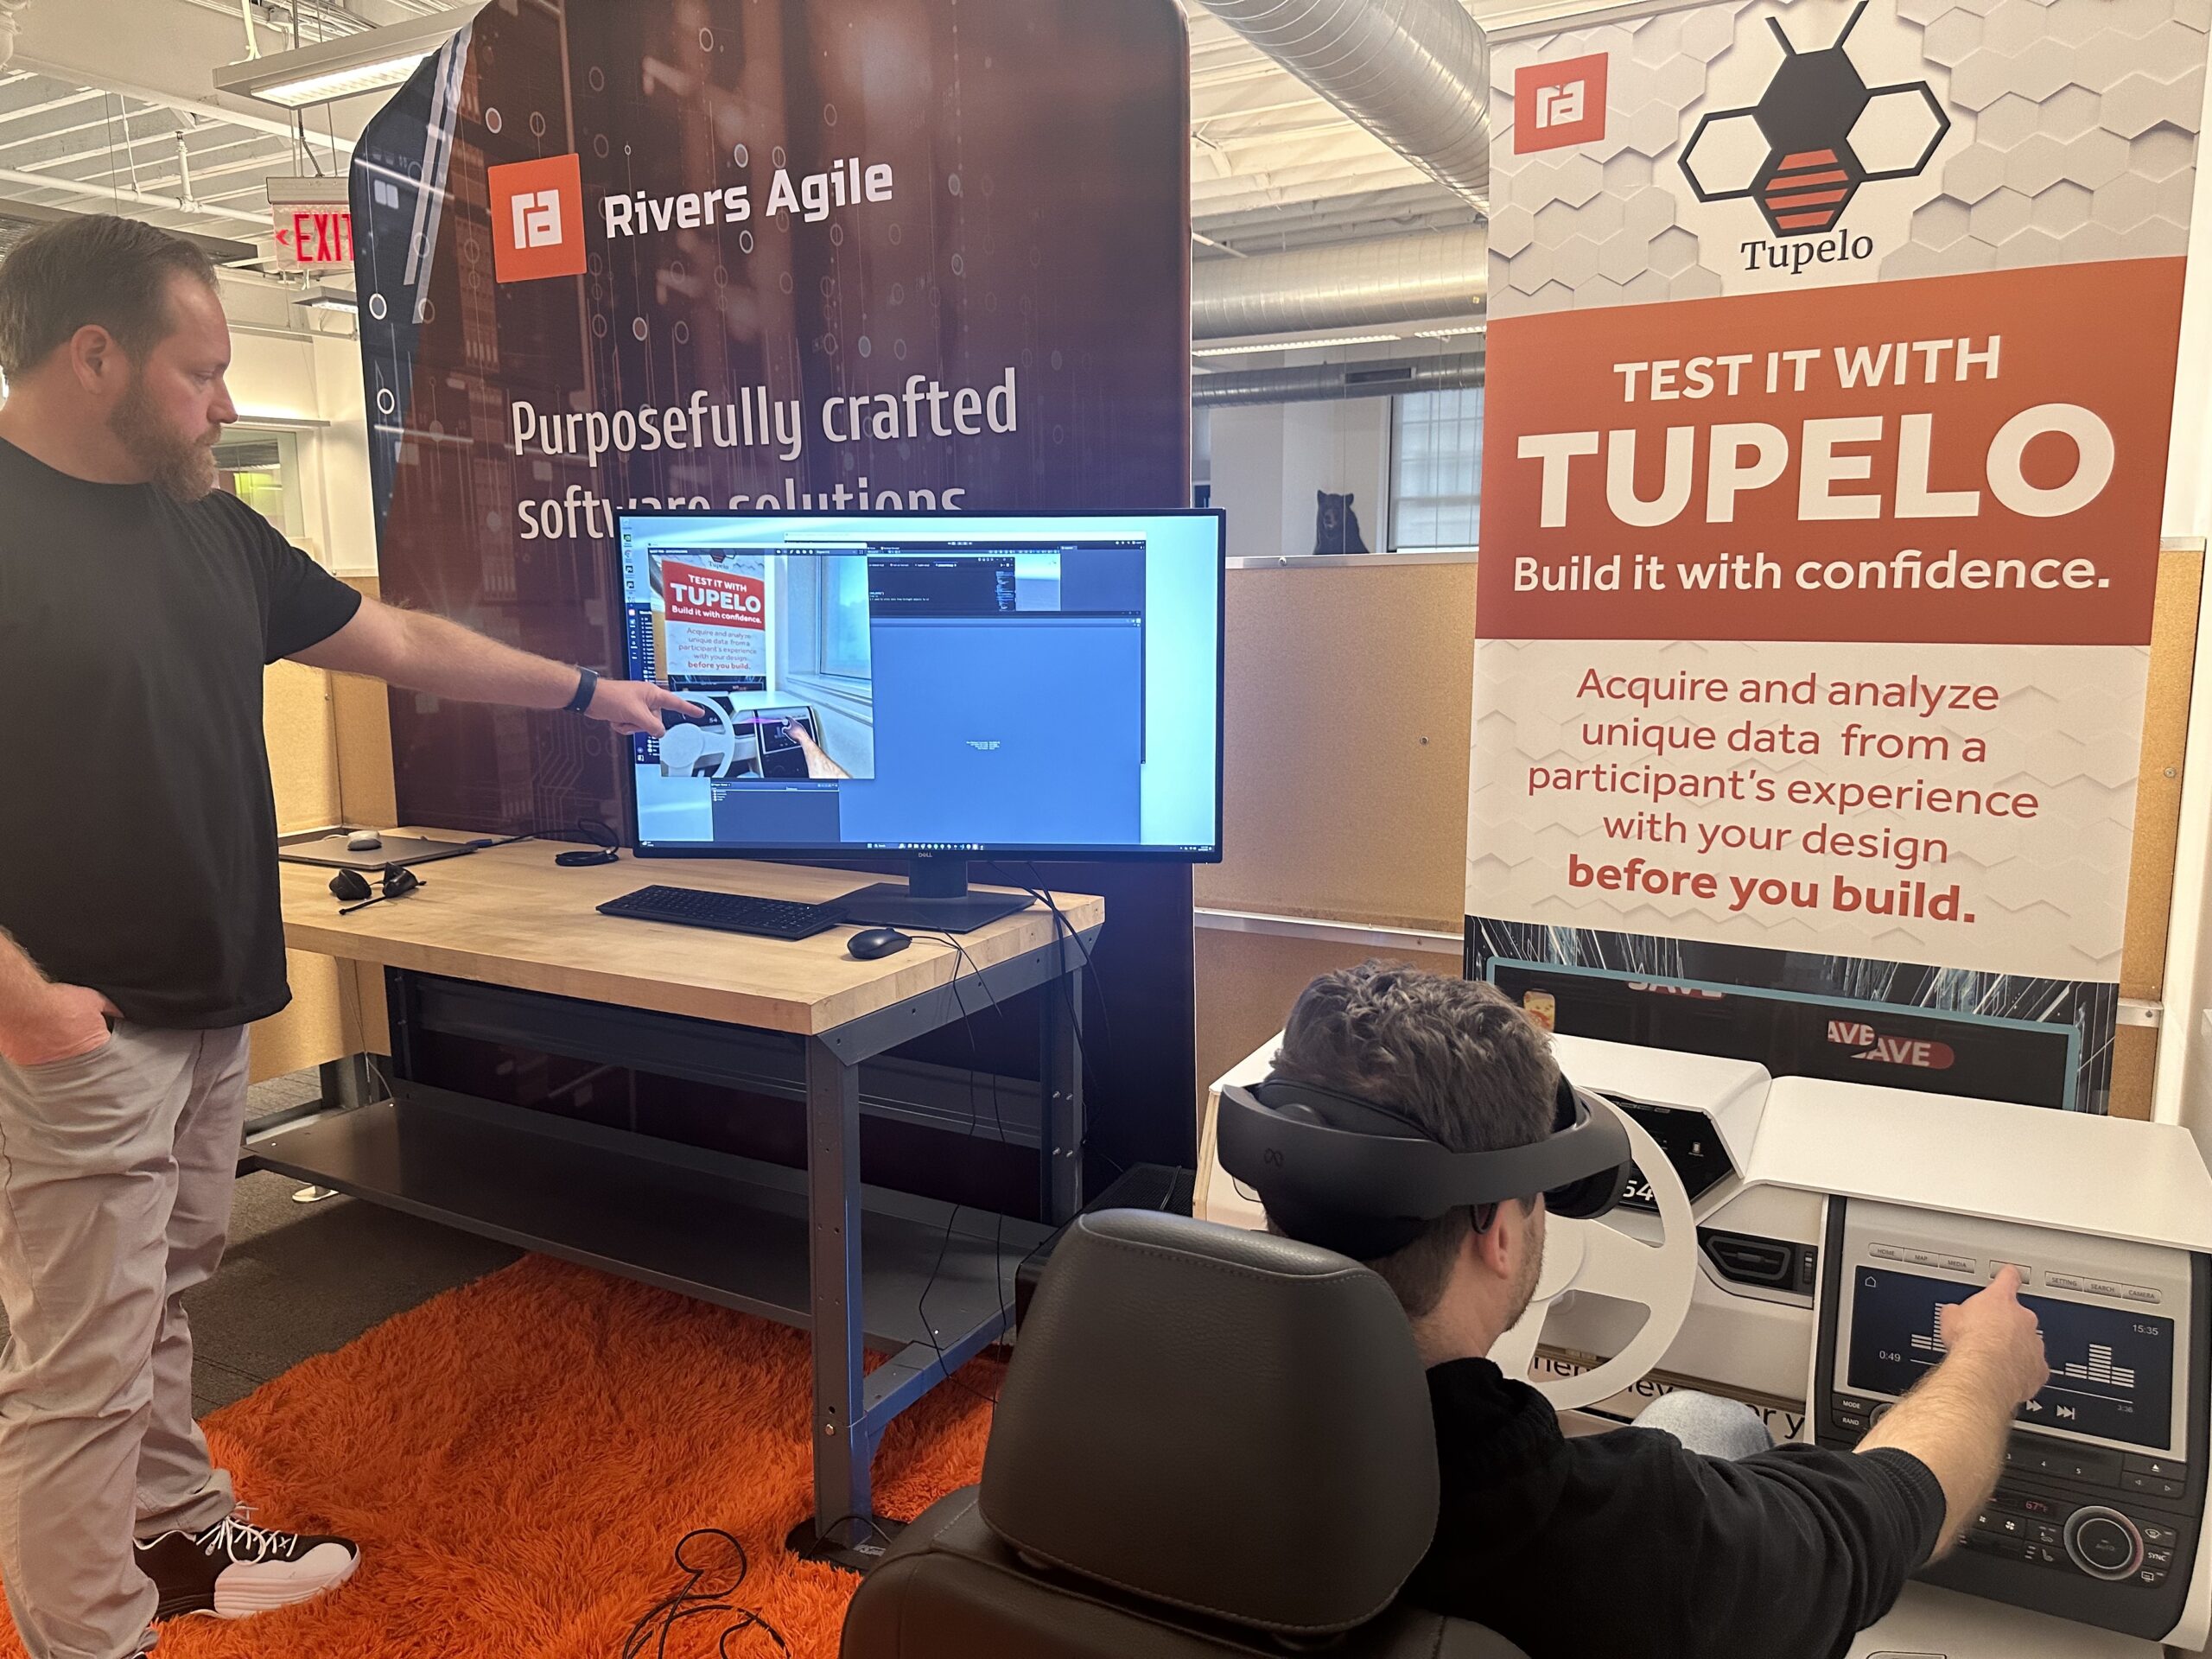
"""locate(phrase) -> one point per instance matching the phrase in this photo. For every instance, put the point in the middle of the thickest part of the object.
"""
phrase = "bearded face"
(175, 450)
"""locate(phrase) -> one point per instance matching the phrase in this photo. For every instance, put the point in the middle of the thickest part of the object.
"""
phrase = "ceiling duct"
(1328, 382)
(1437, 273)
(1413, 73)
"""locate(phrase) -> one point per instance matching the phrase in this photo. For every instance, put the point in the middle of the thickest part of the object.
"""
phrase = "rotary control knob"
(2104, 1543)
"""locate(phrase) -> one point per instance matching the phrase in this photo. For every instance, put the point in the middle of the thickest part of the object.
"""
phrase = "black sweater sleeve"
(1787, 1553)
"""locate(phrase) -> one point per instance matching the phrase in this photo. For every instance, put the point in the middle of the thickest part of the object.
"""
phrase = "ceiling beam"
(112, 193)
(215, 247)
(165, 58)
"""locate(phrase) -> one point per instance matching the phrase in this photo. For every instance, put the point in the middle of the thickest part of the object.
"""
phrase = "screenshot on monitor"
(935, 685)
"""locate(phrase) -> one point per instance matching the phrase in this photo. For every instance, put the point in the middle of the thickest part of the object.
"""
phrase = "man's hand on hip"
(634, 706)
(60, 1023)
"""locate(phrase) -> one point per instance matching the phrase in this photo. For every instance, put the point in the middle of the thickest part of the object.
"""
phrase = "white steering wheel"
(685, 745)
(1589, 1255)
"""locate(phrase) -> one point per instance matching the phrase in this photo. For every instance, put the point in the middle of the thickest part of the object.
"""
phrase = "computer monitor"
(942, 686)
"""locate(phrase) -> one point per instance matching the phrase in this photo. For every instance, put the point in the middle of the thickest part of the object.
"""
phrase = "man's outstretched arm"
(423, 652)
(1956, 1421)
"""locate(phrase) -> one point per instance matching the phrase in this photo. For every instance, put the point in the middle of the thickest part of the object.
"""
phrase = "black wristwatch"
(586, 689)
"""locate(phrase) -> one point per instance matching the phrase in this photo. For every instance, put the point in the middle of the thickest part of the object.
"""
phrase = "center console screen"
(2112, 1369)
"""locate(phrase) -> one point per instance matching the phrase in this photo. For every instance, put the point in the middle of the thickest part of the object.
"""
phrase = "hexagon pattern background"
(2074, 137)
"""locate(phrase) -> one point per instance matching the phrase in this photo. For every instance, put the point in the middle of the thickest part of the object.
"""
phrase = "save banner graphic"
(1814, 606)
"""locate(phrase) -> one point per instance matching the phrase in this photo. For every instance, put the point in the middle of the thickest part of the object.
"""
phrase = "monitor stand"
(935, 899)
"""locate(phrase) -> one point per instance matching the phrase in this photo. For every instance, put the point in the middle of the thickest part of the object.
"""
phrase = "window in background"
(844, 616)
(1436, 470)
(262, 470)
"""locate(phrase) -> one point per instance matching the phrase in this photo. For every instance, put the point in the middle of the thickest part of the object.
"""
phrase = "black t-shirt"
(1624, 1543)
(137, 831)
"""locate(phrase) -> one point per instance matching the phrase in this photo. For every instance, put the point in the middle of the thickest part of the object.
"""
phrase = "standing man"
(139, 925)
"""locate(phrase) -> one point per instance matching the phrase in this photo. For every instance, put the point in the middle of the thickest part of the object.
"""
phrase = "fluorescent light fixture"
(1296, 345)
(1450, 333)
(367, 61)
(315, 297)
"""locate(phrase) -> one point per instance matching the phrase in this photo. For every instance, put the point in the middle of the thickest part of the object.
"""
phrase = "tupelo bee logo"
(1817, 136)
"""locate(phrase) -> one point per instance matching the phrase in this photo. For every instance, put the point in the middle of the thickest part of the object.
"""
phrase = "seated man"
(1631, 1543)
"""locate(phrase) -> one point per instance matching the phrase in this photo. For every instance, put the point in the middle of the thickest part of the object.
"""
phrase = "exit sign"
(312, 222)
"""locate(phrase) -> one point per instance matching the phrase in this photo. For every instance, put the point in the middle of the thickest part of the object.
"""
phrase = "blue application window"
(954, 687)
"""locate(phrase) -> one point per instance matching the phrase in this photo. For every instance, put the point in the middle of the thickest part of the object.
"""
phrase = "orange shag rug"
(519, 1459)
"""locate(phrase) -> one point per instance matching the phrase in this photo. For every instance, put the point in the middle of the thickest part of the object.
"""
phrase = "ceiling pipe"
(1330, 382)
(1436, 274)
(1413, 73)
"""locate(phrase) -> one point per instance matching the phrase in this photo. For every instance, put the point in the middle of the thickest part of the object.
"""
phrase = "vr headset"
(1364, 1180)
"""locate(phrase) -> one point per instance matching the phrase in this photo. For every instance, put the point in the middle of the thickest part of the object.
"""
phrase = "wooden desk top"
(508, 916)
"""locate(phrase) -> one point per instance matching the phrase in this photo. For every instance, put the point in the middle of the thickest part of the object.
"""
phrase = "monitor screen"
(1025, 684)
(2112, 1369)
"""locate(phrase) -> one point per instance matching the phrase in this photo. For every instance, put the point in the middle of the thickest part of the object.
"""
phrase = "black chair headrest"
(1224, 1422)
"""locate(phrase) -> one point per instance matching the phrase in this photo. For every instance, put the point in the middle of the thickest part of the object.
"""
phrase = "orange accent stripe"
(1834, 176)
(1811, 158)
(1814, 199)
(1801, 221)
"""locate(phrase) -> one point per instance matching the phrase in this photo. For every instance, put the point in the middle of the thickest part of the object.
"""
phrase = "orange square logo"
(1556, 104)
(537, 219)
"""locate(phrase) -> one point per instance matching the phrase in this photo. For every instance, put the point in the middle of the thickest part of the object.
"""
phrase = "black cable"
(689, 1600)
(1037, 889)
(944, 1240)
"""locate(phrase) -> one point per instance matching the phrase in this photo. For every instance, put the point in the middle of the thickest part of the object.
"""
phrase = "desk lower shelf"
(722, 1238)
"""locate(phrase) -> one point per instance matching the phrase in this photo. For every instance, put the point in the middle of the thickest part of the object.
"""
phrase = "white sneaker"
(233, 1570)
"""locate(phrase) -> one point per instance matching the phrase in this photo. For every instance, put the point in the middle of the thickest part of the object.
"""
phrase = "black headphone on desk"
(350, 884)
(1364, 1180)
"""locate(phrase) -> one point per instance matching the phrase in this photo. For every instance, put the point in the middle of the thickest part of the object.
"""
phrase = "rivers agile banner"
(841, 255)
(1815, 603)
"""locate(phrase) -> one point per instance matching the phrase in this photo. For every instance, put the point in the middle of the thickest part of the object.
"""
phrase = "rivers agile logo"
(1817, 134)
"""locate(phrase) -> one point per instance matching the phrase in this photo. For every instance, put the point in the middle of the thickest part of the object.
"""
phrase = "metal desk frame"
(401, 1151)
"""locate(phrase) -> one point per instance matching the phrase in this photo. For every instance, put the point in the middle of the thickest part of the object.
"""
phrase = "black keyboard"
(729, 913)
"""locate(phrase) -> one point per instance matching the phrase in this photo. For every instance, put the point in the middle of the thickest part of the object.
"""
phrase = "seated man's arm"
(1796, 1548)
(1955, 1422)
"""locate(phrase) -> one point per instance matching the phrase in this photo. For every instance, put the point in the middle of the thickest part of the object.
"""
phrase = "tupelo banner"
(848, 255)
(1815, 612)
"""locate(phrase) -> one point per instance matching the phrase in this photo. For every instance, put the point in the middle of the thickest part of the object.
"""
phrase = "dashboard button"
(2164, 1468)
(1964, 1266)
(2161, 1558)
(2105, 1287)
(2142, 1293)
(1886, 1252)
(2152, 1577)
(2064, 1281)
(2156, 1536)
(2027, 1274)
(2152, 1486)
(2104, 1543)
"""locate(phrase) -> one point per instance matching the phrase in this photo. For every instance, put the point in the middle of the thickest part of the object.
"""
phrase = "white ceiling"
(111, 105)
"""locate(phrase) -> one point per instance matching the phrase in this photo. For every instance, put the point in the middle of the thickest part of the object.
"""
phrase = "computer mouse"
(873, 941)
(364, 841)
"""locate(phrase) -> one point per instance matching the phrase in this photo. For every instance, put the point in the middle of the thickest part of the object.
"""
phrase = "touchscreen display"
(2112, 1369)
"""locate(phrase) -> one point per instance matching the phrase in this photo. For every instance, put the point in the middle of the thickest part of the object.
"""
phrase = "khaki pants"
(115, 1196)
